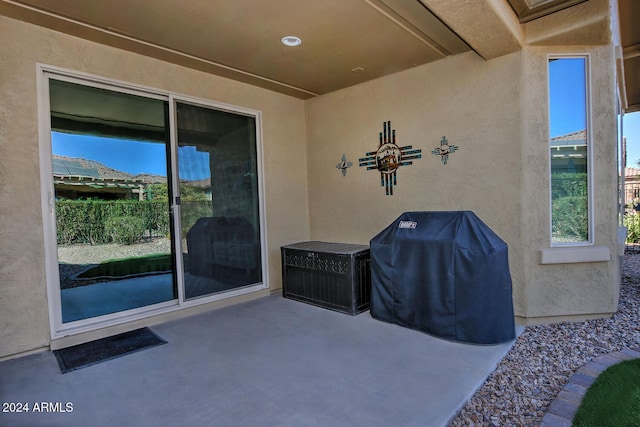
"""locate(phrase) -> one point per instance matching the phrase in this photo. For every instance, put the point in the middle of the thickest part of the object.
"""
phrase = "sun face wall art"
(388, 158)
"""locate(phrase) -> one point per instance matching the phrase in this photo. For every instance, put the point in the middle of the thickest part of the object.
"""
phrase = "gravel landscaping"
(543, 357)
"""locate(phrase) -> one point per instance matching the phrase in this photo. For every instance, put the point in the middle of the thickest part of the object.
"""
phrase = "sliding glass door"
(111, 179)
(220, 222)
(155, 201)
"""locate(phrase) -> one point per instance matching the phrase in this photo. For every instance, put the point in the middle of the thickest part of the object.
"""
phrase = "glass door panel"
(111, 182)
(219, 209)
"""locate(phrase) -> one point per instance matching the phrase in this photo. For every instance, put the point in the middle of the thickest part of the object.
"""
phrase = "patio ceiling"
(344, 42)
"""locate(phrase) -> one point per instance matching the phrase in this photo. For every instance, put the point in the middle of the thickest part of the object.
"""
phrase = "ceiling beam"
(585, 23)
(490, 27)
(631, 51)
(529, 10)
(407, 26)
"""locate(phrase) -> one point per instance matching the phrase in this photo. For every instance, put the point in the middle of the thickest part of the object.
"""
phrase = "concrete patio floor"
(271, 361)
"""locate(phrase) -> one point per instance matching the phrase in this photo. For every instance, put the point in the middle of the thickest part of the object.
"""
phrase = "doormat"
(93, 352)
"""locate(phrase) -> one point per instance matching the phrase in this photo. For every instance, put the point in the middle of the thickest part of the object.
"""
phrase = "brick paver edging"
(561, 411)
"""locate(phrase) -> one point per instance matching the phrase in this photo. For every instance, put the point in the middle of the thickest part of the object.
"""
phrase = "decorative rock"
(546, 358)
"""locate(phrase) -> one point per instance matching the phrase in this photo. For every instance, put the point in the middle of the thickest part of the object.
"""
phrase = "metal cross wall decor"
(344, 165)
(444, 150)
(389, 157)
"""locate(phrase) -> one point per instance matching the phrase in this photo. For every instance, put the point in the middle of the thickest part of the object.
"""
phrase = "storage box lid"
(328, 247)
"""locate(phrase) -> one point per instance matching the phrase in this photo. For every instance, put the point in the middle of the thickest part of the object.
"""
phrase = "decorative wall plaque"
(344, 165)
(389, 157)
(444, 150)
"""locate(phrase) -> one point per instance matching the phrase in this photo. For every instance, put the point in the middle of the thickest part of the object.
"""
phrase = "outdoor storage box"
(330, 275)
(444, 273)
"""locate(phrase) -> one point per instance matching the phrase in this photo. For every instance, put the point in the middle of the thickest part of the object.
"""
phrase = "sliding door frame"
(59, 329)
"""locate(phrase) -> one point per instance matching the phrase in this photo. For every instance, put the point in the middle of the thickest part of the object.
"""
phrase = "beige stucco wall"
(24, 323)
(561, 290)
(474, 103)
(497, 113)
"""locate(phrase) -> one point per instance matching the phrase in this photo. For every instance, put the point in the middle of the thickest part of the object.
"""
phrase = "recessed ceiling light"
(291, 41)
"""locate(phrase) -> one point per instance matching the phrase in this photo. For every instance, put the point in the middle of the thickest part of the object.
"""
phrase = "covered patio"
(472, 73)
(271, 361)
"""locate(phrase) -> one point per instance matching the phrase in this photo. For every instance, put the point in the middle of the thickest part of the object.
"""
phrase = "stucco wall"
(474, 103)
(497, 113)
(581, 288)
(23, 298)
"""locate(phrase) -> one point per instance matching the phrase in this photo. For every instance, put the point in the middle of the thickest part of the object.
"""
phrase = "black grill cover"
(444, 273)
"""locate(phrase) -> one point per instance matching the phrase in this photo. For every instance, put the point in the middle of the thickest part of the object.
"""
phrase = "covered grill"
(221, 242)
(444, 273)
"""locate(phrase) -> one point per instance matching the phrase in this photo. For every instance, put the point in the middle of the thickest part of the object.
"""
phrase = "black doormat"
(87, 354)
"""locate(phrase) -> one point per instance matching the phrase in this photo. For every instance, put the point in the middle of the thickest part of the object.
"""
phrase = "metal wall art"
(344, 165)
(389, 157)
(444, 150)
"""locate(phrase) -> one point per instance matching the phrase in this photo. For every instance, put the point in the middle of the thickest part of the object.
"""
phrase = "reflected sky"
(134, 157)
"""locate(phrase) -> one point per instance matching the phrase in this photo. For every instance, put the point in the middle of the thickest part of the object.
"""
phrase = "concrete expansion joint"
(562, 410)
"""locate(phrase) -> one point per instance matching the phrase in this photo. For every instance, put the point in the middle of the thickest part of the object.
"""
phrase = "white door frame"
(59, 329)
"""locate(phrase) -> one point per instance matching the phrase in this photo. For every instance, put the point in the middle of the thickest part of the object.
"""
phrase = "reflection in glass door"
(153, 200)
(219, 209)
(112, 192)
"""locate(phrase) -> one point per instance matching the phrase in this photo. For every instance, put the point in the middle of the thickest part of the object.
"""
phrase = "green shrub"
(568, 184)
(79, 222)
(125, 229)
(632, 222)
(569, 206)
(82, 221)
(570, 219)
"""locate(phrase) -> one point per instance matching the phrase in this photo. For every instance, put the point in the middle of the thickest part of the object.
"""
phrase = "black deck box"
(329, 275)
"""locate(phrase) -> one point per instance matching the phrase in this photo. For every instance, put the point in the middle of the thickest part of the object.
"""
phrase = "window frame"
(589, 151)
